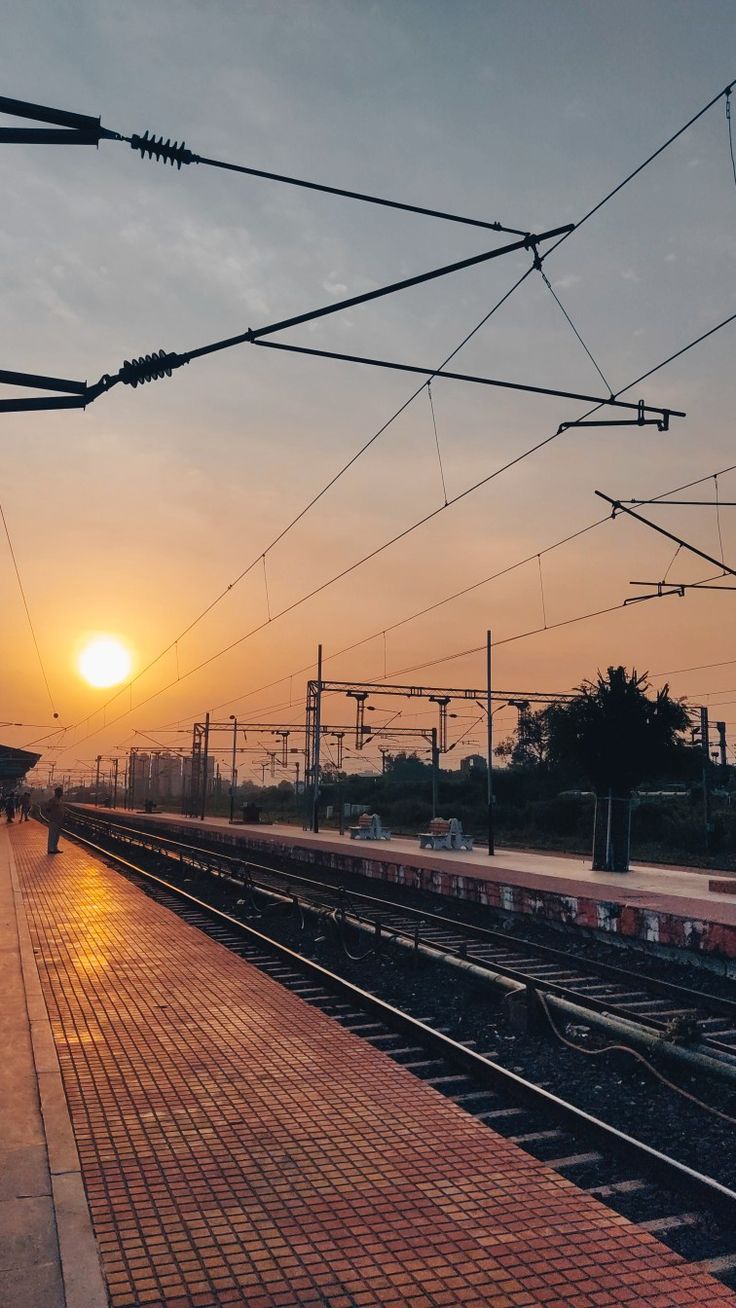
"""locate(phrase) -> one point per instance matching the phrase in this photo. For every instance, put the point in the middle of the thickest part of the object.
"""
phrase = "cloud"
(334, 287)
(564, 283)
(630, 275)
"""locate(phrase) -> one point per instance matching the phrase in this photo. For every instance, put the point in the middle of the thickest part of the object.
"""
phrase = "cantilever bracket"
(662, 424)
(664, 588)
(69, 129)
(73, 394)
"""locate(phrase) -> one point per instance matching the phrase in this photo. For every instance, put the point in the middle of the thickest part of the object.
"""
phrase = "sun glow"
(104, 662)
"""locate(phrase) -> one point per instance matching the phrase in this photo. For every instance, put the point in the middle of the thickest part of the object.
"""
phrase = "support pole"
(435, 771)
(97, 781)
(115, 783)
(489, 724)
(203, 766)
(232, 770)
(705, 744)
(317, 743)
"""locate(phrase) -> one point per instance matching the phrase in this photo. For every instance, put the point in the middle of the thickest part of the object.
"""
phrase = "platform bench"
(369, 828)
(445, 833)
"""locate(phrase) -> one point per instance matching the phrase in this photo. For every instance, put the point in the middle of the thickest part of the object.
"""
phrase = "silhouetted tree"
(529, 747)
(616, 736)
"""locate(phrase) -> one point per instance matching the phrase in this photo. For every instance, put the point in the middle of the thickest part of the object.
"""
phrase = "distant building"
(472, 763)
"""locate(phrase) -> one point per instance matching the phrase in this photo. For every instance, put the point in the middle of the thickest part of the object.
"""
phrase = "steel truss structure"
(442, 696)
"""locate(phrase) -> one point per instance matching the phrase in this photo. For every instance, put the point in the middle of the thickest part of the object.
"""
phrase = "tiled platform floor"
(239, 1148)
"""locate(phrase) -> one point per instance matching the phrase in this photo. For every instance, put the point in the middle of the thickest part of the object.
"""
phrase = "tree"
(616, 736)
(530, 746)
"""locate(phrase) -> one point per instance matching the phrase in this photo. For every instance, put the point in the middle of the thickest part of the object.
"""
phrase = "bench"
(445, 833)
(369, 828)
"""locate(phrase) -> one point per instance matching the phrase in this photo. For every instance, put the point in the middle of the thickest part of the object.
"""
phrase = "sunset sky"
(130, 518)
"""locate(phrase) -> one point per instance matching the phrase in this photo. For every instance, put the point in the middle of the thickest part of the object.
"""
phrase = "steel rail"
(486, 1072)
(714, 1004)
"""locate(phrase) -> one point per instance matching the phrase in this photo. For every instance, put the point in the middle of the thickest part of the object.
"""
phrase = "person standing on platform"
(25, 806)
(10, 806)
(54, 812)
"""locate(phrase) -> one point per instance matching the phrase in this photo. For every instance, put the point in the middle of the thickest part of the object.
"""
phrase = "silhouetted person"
(10, 806)
(54, 812)
(25, 806)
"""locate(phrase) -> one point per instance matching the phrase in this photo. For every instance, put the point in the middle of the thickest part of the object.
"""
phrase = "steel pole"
(489, 716)
(204, 761)
(115, 784)
(232, 771)
(435, 771)
(317, 742)
(97, 781)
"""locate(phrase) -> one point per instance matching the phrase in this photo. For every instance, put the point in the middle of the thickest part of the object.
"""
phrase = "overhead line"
(28, 613)
(359, 562)
(414, 395)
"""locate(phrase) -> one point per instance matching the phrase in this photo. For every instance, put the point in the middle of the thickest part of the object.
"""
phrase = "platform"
(665, 905)
(237, 1147)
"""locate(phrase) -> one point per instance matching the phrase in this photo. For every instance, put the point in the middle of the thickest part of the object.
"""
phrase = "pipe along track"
(685, 1208)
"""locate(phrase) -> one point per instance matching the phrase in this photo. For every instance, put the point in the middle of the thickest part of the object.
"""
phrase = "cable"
(436, 440)
(677, 355)
(650, 159)
(315, 499)
(405, 405)
(730, 133)
(566, 315)
(28, 613)
(507, 640)
(310, 504)
(381, 548)
(625, 1049)
(718, 517)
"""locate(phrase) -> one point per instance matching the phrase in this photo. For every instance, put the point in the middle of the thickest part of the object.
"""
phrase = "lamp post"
(234, 721)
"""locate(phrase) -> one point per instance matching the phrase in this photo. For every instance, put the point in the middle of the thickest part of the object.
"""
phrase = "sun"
(104, 662)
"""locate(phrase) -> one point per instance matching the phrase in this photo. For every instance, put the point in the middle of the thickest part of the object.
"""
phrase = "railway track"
(691, 1212)
(657, 1005)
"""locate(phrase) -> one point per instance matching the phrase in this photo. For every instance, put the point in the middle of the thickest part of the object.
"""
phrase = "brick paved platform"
(237, 1147)
(667, 906)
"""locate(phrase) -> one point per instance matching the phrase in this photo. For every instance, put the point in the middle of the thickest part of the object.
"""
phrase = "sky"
(130, 518)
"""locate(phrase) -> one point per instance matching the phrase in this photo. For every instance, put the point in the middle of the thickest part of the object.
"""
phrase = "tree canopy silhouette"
(616, 735)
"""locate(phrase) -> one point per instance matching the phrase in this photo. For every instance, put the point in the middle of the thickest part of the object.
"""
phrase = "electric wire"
(315, 499)
(626, 1049)
(436, 439)
(730, 132)
(276, 540)
(718, 518)
(574, 329)
(407, 531)
(465, 340)
(21, 588)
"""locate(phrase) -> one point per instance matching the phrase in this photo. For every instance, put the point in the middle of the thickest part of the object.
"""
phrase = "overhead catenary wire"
(378, 550)
(315, 499)
(730, 130)
(436, 439)
(519, 281)
(573, 328)
(26, 607)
